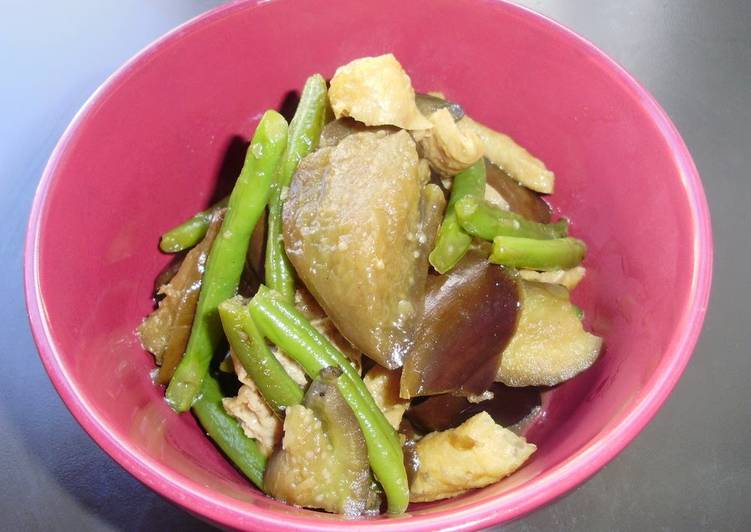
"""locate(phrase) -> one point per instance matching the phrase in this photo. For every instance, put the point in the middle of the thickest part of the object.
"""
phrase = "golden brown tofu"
(293, 369)
(568, 278)
(448, 149)
(377, 92)
(354, 231)
(473, 455)
(383, 385)
(255, 416)
(503, 151)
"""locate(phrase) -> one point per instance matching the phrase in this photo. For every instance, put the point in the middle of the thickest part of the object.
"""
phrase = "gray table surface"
(690, 469)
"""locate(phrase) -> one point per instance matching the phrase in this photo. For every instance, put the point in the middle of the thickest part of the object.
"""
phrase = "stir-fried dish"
(368, 319)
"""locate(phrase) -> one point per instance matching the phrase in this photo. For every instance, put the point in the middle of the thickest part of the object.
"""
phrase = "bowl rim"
(490, 510)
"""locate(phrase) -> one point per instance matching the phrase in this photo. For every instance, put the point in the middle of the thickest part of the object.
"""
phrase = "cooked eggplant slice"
(507, 406)
(470, 315)
(354, 232)
(323, 461)
(519, 198)
(165, 331)
(410, 437)
(168, 272)
(337, 130)
(550, 344)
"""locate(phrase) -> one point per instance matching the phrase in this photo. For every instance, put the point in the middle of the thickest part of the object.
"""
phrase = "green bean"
(227, 433)
(304, 134)
(226, 259)
(249, 346)
(283, 324)
(191, 231)
(557, 254)
(483, 220)
(295, 332)
(452, 241)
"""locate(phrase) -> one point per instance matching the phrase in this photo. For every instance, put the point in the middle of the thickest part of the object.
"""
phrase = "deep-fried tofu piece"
(568, 278)
(377, 92)
(383, 385)
(475, 454)
(448, 149)
(256, 418)
(503, 151)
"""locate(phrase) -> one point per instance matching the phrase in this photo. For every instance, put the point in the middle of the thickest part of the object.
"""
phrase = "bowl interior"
(168, 131)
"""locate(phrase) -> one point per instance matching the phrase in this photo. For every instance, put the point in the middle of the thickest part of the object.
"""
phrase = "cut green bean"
(226, 259)
(483, 220)
(227, 433)
(283, 324)
(558, 254)
(249, 346)
(191, 231)
(304, 134)
(452, 241)
(295, 332)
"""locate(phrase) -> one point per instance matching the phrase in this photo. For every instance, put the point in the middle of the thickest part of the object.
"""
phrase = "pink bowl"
(144, 152)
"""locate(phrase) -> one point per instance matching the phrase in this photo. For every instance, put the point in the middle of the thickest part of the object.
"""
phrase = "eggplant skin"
(470, 316)
(507, 406)
(353, 230)
(430, 103)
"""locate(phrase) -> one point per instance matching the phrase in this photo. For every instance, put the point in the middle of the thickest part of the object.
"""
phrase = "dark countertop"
(690, 468)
